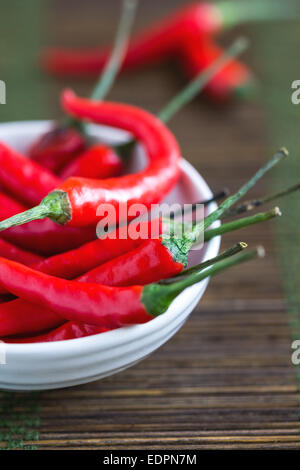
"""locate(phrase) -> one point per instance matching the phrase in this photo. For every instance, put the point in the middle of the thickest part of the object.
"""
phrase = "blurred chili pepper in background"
(166, 38)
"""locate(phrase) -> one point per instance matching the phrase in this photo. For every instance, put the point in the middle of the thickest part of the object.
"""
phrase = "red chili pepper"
(74, 263)
(57, 147)
(89, 303)
(150, 262)
(69, 330)
(12, 252)
(96, 304)
(98, 161)
(159, 42)
(27, 180)
(197, 54)
(76, 201)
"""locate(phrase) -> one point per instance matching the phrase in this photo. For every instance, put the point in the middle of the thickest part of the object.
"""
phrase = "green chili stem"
(158, 297)
(179, 245)
(236, 12)
(36, 213)
(252, 204)
(55, 206)
(231, 200)
(216, 268)
(115, 60)
(226, 254)
(202, 79)
(241, 223)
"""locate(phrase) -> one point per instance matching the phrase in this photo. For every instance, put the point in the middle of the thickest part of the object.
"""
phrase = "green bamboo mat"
(19, 420)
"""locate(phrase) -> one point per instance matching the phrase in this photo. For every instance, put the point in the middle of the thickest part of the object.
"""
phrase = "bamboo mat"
(225, 381)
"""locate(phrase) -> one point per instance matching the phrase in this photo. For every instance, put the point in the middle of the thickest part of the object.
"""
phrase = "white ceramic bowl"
(66, 363)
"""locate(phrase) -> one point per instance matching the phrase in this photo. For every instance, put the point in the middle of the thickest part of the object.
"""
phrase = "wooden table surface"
(226, 379)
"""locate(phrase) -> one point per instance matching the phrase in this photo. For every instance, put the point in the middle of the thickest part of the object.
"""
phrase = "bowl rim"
(131, 332)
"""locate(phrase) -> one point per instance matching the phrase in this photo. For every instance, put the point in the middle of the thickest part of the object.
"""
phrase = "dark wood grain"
(226, 379)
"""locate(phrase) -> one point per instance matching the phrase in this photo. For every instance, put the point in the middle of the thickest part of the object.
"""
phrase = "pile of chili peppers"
(58, 281)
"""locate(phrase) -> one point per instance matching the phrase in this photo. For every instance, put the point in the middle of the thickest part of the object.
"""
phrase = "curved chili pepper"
(76, 201)
(98, 161)
(235, 78)
(27, 180)
(69, 330)
(150, 185)
(100, 305)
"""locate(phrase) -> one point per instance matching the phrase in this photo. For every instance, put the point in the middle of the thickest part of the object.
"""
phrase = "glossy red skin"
(197, 54)
(69, 330)
(48, 238)
(57, 147)
(150, 262)
(17, 318)
(25, 179)
(95, 304)
(41, 236)
(69, 265)
(147, 187)
(75, 263)
(12, 252)
(9, 206)
(158, 42)
(98, 161)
